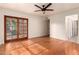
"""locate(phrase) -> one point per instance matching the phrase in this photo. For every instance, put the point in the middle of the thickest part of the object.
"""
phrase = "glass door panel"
(25, 35)
(21, 36)
(22, 28)
(9, 37)
(11, 28)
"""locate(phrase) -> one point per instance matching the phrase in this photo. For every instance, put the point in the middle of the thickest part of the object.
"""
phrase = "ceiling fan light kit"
(43, 8)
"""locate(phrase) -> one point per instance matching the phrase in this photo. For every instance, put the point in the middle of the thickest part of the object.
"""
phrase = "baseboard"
(1, 43)
(63, 40)
(58, 39)
(39, 37)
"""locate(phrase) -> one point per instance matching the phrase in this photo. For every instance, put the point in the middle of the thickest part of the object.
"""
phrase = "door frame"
(5, 28)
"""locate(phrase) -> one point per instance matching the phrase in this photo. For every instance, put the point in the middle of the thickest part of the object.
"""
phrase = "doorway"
(72, 27)
(15, 28)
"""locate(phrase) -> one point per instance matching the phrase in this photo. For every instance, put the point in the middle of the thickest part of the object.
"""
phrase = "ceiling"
(30, 8)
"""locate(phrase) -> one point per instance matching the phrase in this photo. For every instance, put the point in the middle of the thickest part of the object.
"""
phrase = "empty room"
(39, 28)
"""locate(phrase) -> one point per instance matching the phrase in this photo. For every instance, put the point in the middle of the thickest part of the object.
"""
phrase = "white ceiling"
(30, 8)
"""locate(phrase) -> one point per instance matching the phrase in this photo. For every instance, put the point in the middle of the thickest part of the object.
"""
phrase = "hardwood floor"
(40, 46)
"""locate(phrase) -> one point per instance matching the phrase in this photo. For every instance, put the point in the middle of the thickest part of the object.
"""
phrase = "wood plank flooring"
(40, 46)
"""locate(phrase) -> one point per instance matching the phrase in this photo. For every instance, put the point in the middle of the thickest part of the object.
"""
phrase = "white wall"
(36, 25)
(57, 24)
(57, 27)
(1, 27)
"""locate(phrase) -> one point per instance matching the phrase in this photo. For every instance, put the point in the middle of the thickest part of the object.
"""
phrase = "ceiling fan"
(44, 8)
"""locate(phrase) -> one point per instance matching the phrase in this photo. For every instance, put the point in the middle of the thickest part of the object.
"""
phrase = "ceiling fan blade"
(38, 7)
(37, 10)
(48, 5)
(49, 10)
